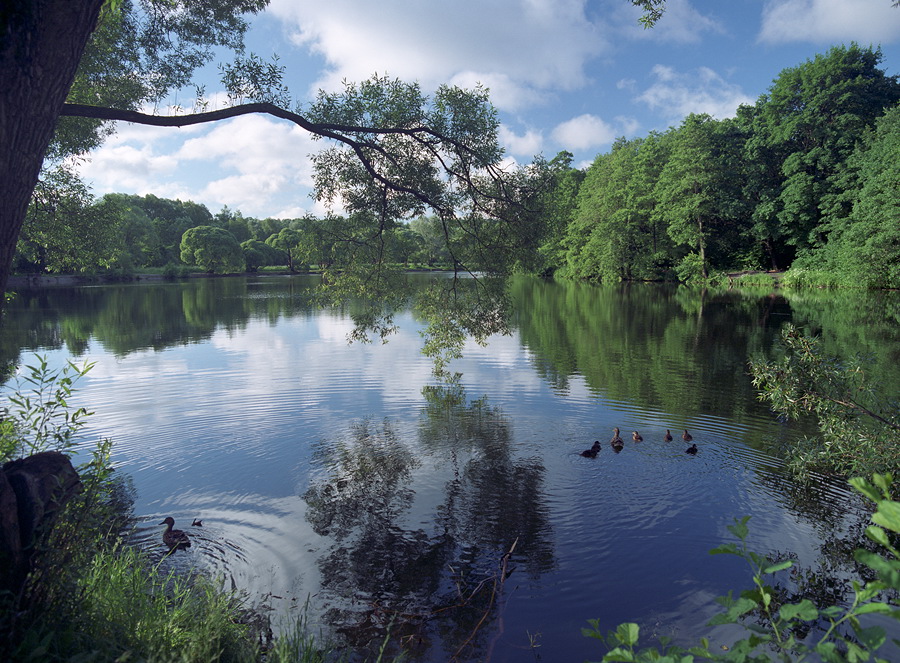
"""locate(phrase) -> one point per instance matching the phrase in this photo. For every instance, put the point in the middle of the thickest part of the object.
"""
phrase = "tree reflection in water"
(438, 588)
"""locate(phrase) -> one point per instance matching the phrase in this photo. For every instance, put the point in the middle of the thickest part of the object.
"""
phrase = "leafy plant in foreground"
(37, 416)
(773, 635)
(859, 431)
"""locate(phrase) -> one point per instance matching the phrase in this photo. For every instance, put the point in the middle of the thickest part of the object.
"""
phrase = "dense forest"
(808, 178)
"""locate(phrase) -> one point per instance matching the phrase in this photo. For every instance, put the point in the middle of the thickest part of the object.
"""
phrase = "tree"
(43, 42)
(809, 122)
(213, 249)
(863, 246)
(291, 243)
(258, 254)
(697, 191)
(64, 231)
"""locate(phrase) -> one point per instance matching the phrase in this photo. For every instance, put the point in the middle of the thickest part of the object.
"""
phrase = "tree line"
(67, 231)
(808, 178)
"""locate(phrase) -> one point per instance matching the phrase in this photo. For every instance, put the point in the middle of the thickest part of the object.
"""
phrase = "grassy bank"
(88, 596)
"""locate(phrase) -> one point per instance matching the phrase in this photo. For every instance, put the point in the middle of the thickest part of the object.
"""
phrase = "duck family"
(618, 444)
(176, 539)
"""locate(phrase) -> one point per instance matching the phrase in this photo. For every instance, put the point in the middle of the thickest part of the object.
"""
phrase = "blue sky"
(564, 74)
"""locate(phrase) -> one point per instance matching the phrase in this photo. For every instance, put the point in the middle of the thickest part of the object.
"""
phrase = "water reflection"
(345, 473)
(425, 535)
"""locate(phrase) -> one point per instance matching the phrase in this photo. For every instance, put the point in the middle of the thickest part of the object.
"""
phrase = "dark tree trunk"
(41, 44)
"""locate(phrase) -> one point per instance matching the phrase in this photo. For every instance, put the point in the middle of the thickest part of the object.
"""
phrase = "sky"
(563, 74)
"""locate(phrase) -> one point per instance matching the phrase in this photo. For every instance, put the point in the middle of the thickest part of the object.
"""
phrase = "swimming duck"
(174, 538)
(691, 450)
(593, 451)
(687, 437)
(197, 523)
(668, 437)
(636, 436)
(616, 442)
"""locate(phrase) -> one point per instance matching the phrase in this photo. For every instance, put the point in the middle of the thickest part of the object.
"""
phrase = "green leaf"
(740, 529)
(619, 655)
(884, 482)
(866, 488)
(780, 566)
(627, 633)
(804, 610)
(725, 549)
(878, 535)
(881, 608)
(888, 515)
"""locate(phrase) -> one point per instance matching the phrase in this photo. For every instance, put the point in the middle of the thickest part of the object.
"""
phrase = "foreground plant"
(859, 430)
(36, 416)
(773, 633)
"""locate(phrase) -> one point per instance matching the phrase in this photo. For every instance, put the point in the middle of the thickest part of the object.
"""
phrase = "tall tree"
(810, 121)
(698, 190)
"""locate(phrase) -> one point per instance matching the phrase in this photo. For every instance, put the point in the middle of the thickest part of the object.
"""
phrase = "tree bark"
(41, 44)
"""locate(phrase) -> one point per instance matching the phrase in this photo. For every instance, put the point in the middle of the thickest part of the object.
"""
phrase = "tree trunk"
(41, 44)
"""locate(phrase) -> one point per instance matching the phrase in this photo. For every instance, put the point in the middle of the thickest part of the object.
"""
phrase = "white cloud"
(244, 163)
(823, 21)
(517, 47)
(702, 90)
(584, 132)
(681, 24)
(527, 145)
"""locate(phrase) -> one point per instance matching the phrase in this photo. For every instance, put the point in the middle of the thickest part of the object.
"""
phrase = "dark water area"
(346, 478)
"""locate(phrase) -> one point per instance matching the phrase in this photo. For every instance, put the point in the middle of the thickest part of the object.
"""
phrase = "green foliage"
(780, 180)
(863, 248)
(36, 415)
(845, 637)
(810, 120)
(258, 254)
(292, 244)
(212, 249)
(64, 231)
(858, 429)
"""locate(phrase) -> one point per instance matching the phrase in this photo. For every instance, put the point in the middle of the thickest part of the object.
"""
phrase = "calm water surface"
(346, 475)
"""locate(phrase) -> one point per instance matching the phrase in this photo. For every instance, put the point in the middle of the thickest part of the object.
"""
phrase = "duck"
(691, 450)
(636, 436)
(197, 523)
(593, 451)
(687, 437)
(616, 442)
(174, 538)
(668, 437)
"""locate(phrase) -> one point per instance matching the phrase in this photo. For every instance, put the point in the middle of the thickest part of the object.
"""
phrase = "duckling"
(636, 436)
(691, 450)
(616, 442)
(593, 451)
(174, 538)
(687, 437)
(668, 437)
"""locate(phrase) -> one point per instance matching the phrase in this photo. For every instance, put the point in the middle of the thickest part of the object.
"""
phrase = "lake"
(347, 479)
